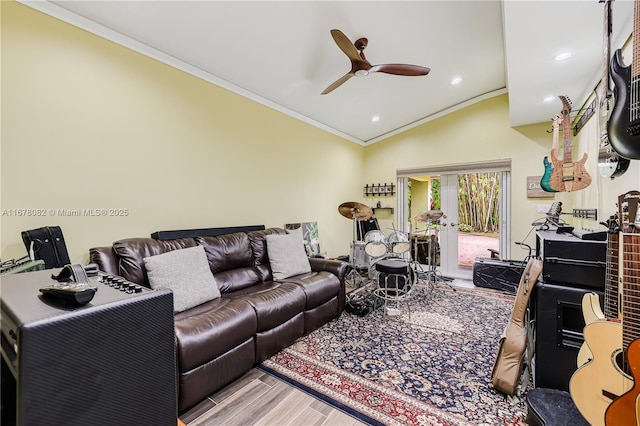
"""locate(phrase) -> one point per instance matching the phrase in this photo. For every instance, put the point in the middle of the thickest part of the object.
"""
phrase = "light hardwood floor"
(259, 398)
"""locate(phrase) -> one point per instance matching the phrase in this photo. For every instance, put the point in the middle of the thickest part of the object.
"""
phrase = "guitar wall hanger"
(582, 115)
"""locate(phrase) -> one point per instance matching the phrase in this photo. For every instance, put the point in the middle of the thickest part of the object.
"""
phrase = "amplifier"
(570, 260)
(109, 362)
(559, 325)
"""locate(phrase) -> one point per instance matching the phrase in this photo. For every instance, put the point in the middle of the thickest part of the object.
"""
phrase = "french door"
(479, 192)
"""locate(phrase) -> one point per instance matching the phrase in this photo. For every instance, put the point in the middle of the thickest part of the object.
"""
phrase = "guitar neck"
(606, 88)
(611, 306)
(629, 270)
(556, 133)
(635, 66)
(566, 134)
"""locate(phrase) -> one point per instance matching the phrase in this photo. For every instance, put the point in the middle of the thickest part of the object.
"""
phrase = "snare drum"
(399, 242)
(358, 255)
(375, 245)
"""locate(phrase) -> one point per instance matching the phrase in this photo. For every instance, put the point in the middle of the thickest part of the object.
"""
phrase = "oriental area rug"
(432, 367)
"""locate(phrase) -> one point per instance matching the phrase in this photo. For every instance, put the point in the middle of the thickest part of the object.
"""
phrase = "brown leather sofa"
(255, 317)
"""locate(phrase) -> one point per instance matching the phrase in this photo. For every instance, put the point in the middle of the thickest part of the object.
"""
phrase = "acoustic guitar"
(568, 175)
(623, 410)
(591, 310)
(604, 376)
(602, 381)
(624, 124)
(548, 165)
(610, 163)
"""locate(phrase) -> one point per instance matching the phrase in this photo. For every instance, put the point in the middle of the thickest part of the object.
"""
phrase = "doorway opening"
(469, 207)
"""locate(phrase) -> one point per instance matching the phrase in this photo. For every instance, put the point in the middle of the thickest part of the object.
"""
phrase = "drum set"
(375, 246)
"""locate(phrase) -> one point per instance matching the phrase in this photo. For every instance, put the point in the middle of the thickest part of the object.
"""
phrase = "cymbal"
(351, 208)
(428, 215)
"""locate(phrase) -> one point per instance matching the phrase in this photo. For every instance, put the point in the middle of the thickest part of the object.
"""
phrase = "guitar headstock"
(629, 211)
(566, 104)
(612, 224)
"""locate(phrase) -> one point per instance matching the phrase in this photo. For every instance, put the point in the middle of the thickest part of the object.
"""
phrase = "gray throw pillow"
(287, 255)
(186, 272)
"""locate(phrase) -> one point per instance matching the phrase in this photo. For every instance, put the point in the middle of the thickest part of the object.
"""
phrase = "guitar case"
(509, 364)
(552, 407)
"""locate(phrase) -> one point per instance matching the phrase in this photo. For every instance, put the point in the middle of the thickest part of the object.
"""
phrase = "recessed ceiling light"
(375, 118)
(562, 56)
(455, 81)
(548, 99)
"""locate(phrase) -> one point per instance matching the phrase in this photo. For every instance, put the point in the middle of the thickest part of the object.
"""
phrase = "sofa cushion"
(287, 256)
(231, 260)
(187, 273)
(259, 249)
(274, 302)
(207, 331)
(319, 287)
(132, 251)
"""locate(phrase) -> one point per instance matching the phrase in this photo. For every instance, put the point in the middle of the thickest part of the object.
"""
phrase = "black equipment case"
(552, 407)
(498, 274)
(47, 244)
(570, 260)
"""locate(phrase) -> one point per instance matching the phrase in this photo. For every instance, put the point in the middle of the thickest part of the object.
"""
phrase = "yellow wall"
(88, 124)
(419, 201)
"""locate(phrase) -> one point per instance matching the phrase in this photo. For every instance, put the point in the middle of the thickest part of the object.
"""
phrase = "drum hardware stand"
(432, 272)
(355, 211)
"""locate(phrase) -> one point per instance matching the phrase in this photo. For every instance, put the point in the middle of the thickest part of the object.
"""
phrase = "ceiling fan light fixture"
(548, 99)
(361, 73)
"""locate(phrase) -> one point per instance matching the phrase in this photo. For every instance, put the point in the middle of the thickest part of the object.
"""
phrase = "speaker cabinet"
(110, 362)
(559, 332)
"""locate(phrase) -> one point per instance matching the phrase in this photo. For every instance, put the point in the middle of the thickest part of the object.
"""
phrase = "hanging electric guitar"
(610, 163)
(548, 165)
(624, 124)
(568, 175)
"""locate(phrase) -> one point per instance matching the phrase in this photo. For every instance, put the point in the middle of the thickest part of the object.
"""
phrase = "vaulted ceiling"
(282, 54)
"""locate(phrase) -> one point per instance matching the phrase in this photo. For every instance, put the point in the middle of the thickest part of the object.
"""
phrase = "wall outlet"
(544, 208)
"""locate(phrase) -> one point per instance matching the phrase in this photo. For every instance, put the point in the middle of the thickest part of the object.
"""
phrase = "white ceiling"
(282, 54)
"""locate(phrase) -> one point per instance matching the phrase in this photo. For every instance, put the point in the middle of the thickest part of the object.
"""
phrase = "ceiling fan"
(361, 67)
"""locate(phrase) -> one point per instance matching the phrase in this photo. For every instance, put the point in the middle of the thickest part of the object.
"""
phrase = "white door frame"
(503, 166)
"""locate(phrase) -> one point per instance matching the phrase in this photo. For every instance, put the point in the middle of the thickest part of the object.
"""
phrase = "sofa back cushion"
(259, 249)
(132, 251)
(231, 260)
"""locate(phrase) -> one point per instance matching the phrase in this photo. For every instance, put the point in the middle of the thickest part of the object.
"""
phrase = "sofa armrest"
(339, 269)
(336, 267)
(105, 258)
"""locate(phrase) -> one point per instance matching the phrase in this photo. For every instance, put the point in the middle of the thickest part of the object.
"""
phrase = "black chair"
(365, 226)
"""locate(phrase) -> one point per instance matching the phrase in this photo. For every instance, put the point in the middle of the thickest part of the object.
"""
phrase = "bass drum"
(375, 245)
(399, 242)
(358, 255)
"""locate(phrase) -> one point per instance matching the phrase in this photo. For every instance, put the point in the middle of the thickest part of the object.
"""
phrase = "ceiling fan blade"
(338, 82)
(400, 69)
(345, 45)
